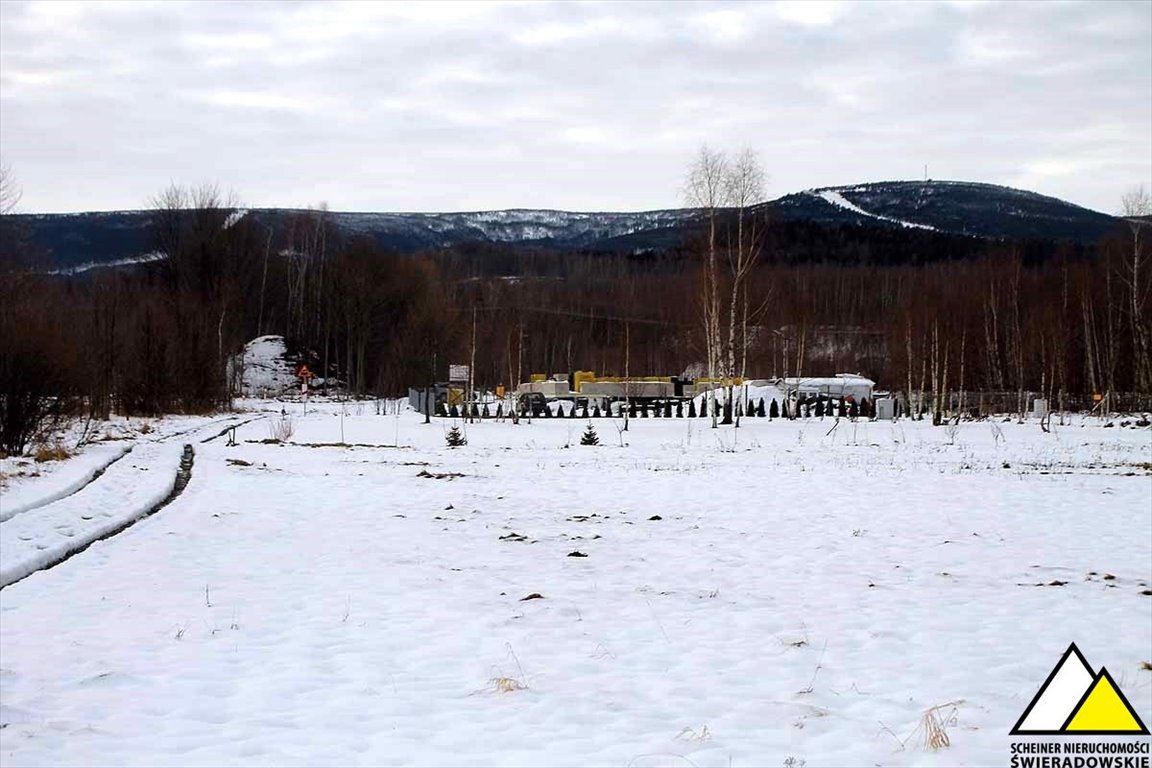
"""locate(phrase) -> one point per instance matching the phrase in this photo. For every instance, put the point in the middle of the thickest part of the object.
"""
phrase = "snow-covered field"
(786, 592)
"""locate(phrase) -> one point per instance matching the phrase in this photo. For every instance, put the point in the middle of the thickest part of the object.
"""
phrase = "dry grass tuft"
(54, 452)
(934, 724)
(506, 685)
(691, 734)
(281, 429)
(932, 730)
(501, 683)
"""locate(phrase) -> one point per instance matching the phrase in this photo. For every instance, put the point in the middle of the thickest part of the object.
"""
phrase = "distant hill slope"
(79, 241)
(953, 207)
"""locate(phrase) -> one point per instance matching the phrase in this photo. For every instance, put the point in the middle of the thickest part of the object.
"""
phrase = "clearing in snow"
(788, 593)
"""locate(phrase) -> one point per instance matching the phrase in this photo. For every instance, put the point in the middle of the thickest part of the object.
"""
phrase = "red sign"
(303, 372)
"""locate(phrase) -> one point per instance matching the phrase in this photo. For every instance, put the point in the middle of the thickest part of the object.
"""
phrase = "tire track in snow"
(61, 551)
(73, 489)
(62, 493)
(10, 575)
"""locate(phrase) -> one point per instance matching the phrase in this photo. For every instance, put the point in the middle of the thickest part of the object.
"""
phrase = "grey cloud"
(581, 106)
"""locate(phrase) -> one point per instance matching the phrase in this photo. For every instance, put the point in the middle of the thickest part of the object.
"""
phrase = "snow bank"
(752, 393)
(128, 490)
(268, 371)
(72, 475)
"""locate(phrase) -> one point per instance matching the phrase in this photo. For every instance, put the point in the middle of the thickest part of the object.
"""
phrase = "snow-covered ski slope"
(837, 199)
(789, 590)
(146, 258)
(964, 208)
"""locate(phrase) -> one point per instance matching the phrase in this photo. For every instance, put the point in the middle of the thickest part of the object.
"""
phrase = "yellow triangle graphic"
(1104, 709)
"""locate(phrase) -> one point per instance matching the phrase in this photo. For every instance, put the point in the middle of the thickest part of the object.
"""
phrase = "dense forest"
(920, 312)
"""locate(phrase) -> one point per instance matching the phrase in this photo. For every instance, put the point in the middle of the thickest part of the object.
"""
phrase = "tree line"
(734, 299)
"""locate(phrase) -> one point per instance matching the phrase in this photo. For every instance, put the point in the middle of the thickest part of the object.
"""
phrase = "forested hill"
(882, 222)
(952, 207)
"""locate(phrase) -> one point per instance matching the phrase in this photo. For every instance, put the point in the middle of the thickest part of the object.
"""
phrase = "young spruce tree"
(455, 438)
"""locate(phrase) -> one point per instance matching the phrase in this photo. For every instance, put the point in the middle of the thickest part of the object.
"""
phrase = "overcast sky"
(446, 106)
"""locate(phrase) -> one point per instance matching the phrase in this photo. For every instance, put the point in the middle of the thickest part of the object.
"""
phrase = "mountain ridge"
(944, 207)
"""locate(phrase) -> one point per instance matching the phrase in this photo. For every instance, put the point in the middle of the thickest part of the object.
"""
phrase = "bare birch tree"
(705, 190)
(744, 188)
(10, 192)
(1136, 208)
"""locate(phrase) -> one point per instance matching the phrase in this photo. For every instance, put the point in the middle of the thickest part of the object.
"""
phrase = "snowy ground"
(806, 594)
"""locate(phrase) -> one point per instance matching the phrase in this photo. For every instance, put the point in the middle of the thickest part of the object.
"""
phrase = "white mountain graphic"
(1059, 695)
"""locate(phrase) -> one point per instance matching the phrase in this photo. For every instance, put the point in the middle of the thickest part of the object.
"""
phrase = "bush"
(590, 437)
(34, 393)
(54, 452)
(281, 429)
(691, 409)
(774, 410)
